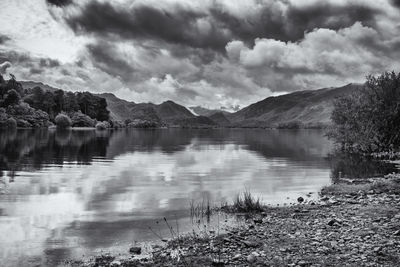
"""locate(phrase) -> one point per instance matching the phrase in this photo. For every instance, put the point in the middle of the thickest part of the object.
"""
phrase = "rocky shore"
(352, 224)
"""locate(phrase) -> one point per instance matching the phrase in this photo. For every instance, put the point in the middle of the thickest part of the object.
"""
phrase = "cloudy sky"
(214, 53)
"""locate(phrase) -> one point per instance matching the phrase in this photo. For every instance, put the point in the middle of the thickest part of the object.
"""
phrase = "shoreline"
(356, 224)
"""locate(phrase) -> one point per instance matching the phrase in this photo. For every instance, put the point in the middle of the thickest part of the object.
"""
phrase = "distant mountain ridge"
(311, 108)
(301, 109)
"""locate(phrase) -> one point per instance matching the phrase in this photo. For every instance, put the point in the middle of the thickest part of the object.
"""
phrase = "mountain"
(311, 108)
(220, 119)
(170, 112)
(198, 110)
(32, 84)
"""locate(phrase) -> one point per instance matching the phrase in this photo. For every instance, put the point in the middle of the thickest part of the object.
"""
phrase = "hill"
(220, 119)
(302, 109)
(200, 111)
(311, 108)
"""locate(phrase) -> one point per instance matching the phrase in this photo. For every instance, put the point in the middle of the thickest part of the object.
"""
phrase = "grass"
(246, 202)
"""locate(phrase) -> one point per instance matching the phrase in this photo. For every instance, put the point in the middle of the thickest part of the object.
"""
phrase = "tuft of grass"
(246, 202)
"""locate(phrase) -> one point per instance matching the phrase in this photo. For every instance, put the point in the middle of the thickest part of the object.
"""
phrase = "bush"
(101, 126)
(82, 120)
(369, 120)
(117, 124)
(34, 118)
(23, 123)
(63, 121)
(11, 123)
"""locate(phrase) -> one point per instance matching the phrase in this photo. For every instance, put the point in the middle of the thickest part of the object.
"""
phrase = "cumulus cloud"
(202, 52)
(345, 54)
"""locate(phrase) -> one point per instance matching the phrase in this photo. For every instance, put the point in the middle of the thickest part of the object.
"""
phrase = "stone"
(300, 199)
(135, 250)
(237, 256)
(251, 258)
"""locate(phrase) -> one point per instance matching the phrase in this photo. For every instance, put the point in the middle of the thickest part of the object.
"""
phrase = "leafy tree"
(63, 121)
(70, 102)
(59, 101)
(48, 103)
(369, 120)
(12, 98)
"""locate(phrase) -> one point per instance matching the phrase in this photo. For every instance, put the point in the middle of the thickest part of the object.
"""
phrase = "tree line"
(52, 102)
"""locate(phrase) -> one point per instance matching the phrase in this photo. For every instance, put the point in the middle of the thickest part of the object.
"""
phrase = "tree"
(70, 102)
(58, 101)
(12, 98)
(369, 120)
(63, 121)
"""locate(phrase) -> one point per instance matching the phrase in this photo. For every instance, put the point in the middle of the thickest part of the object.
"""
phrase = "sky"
(214, 53)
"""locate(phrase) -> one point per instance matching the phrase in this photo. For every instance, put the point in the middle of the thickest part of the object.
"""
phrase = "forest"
(35, 107)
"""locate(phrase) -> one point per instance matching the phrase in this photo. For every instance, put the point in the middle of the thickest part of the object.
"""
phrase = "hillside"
(200, 111)
(311, 108)
(220, 119)
(170, 112)
(167, 112)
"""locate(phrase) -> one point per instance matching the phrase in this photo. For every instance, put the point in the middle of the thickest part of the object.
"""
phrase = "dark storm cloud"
(146, 22)
(59, 3)
(106, 58)
(396, 3)
(213, 27)
(329, 16)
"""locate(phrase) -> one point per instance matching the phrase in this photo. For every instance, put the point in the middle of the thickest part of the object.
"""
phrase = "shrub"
(82, 120)
(11, 123)
(369, 120)
(35, 118)
(101, 126)
(63, 121)
(23, 123)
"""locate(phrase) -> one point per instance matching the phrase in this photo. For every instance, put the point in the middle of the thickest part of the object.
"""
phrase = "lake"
(68, 194)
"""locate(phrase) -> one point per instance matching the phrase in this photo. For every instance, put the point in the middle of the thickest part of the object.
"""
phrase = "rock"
(115, 263)
(257, 220)
(397, 233)
(251, 258)
(237, 256)
(300, 199)
(302, 263)
(251, 244)
(135, 250)
(334, 222)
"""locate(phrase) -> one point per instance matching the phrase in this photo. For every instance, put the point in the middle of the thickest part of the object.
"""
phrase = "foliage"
(137, 123)
(63, 121)
(101, 126)
(39, 106)
(11, 123)
(22, 111)
(81, 120)
(11, 98)
(93, 106)
(369, 120)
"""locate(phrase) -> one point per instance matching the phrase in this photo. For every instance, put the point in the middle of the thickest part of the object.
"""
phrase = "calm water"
(73, 193)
